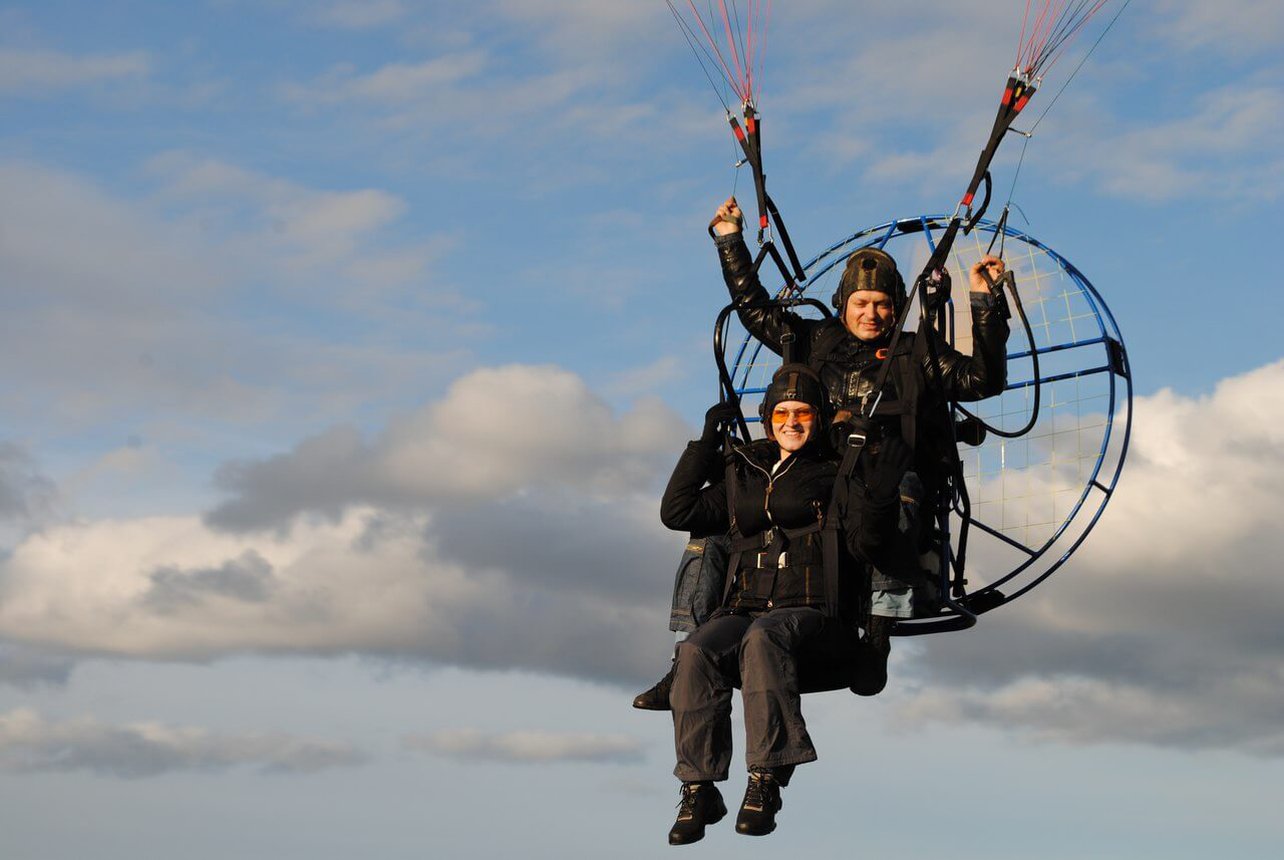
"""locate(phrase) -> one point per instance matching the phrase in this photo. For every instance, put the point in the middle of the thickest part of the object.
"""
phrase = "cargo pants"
(760, 652)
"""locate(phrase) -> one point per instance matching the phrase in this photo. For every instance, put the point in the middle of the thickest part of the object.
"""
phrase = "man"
(871, 292)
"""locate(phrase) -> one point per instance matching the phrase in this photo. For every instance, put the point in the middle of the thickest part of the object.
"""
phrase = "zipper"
(771, 482)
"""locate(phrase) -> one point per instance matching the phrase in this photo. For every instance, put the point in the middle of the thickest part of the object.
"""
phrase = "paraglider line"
(1109, 26)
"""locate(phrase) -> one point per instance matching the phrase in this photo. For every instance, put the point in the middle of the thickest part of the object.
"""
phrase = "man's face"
(868, 314)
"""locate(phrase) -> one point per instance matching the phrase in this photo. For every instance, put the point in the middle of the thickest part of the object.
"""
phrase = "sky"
(348, 346)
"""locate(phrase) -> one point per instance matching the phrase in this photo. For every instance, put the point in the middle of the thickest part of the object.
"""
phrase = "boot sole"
(643, 705)
(747, 831)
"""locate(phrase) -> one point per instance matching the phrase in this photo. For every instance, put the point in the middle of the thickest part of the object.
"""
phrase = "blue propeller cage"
(1080, 350)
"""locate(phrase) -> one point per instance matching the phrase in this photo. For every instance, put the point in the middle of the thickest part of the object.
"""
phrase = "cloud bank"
(31, 743)
(511, 524)
(497, 431)
(1163, 628)
(530, 747)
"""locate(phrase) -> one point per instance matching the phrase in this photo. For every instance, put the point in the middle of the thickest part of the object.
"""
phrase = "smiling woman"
(792, 600)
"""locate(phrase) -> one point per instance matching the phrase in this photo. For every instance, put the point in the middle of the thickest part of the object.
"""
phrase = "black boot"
(762, 801)
(656, 698)
(871, 672)
(701, 805)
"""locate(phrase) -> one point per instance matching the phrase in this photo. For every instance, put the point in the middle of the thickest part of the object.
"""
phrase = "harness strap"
(907, 384)
(758, 542)
(830, 554)
(801, 531)
(737, 544)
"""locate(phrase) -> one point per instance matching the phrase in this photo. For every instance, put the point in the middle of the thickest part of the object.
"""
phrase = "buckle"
(770, 560)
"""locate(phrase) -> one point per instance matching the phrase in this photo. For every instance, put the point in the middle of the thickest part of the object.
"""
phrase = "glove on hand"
(934, 289)
(884, 470)
(720, 413)
(845, 424)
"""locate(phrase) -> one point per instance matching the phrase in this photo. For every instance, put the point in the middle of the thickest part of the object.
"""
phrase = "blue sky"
(348, 346)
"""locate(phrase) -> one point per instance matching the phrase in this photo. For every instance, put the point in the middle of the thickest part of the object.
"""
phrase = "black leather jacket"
(849, 366)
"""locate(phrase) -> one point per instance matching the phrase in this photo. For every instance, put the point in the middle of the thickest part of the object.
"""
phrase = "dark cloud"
(28, 667)
(247, 578)
(467, 449)
(323, 474)
(24, 492)
(563, 541)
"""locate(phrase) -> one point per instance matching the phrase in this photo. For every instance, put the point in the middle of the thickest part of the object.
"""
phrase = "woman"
(780, 602)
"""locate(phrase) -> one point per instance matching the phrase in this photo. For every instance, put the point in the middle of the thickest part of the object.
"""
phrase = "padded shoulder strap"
(826, 339)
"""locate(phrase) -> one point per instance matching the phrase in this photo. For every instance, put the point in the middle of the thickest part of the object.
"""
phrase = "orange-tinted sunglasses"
(805, 415)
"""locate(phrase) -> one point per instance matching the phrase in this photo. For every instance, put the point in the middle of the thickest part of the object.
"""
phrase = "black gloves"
(720, 413)
(934, 289)
(847, 424)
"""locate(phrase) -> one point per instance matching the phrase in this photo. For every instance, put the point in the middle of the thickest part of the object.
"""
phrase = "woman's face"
(792, 423)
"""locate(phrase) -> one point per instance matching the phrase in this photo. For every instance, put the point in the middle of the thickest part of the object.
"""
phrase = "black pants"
(762, 654)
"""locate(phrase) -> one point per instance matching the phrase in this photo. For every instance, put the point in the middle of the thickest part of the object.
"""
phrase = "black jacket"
(847, 365)
(770, 511)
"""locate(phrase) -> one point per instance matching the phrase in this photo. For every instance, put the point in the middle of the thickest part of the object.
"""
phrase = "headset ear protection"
(765, 420)
(790, 383)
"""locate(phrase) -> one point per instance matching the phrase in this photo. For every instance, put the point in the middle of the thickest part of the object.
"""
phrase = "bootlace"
(687, 800)
(762, 791)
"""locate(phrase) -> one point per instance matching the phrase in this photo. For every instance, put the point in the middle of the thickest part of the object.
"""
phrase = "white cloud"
(360, 14)
(565, 78)
(912, 99)
(1163, 628)
(156, 588)
(135, 306)
(1232, 25)
(265, 219)
(459, 99)
(392, 84)
(580, 28)
(65, 237)
(1217, 149)
(34, 72)
(530, 747)
(31, 743)
(511, 524)
(373, 583)
(497, 431)
(649, 377)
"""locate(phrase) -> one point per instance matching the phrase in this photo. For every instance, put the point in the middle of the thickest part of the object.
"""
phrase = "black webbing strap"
(830, 565)
(909, 385)
(831, 557)
(733, 560)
